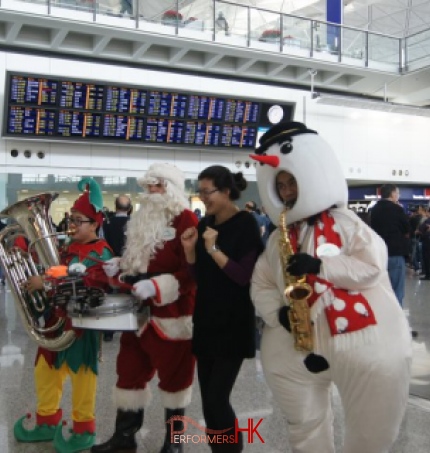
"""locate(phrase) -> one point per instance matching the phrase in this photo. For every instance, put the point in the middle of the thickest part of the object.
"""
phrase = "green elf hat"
(90, 203)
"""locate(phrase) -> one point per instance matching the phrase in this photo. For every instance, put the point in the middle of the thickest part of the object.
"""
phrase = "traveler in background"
(222, 253)
(114, 226)
(221, 23)
(424, 234)
(2, 276)
(390, 221)
(416, 219)
(114, 233)
(198, 213)
(64, 224)
(269, 226)
(251, 206)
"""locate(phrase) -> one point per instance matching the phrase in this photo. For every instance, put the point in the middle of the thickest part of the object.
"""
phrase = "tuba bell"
(33, 221)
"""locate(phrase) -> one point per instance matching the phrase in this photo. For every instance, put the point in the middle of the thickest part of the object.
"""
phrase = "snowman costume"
(362, 343)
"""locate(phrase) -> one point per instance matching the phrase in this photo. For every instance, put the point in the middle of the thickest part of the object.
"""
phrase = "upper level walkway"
(254, 43)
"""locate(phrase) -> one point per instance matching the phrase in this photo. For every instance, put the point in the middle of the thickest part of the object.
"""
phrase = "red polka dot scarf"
(346, 311)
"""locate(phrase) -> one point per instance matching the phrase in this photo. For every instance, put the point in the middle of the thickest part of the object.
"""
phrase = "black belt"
(132, 279)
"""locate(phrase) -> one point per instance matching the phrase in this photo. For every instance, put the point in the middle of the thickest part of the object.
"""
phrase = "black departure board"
(160, 130)
(125, 100)
(167, 104)
(78, 95)
(31, 121)
(124, 127)
(78, 124)
(30, 90)
(62, 108)
(206, 108)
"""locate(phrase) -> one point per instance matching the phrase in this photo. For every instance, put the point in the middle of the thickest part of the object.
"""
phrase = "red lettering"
(251, 430)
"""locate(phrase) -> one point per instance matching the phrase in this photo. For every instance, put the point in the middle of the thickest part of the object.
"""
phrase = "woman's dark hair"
(223, 178)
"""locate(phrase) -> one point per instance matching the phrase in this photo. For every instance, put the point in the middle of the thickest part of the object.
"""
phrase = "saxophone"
(297, 292)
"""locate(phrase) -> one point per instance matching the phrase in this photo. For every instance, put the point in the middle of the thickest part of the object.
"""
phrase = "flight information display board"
(61, 108)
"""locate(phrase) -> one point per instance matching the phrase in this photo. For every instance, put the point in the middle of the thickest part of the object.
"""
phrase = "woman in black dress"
(222, 253)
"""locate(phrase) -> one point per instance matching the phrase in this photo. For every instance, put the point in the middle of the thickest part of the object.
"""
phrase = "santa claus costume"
(362, 342)
(154, 257)
(79, 361)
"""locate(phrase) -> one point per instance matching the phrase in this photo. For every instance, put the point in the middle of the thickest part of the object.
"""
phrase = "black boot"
(169, 445)
(123, 440)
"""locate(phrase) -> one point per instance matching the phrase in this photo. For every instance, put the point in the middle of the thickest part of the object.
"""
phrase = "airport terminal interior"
(106, 88)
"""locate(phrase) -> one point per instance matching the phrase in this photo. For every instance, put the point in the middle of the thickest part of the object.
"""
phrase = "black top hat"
(280, 132)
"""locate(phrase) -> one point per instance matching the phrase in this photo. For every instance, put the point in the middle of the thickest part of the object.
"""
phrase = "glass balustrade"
(417, 48)
(244, 26)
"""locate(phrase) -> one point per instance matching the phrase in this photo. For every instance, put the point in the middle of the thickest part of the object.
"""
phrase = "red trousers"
(140, 357)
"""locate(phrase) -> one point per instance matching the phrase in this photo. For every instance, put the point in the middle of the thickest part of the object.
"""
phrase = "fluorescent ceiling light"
(369, 104)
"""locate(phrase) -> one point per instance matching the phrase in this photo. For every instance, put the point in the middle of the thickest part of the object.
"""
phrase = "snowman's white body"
(371, 372)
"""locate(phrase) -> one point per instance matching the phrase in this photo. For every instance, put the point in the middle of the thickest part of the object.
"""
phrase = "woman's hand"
(34, 283)
(189, 239)
(210, 236)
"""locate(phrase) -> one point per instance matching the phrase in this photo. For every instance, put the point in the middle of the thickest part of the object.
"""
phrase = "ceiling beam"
(139, 49)
(57, 37)
(100, 43)
(12, 31)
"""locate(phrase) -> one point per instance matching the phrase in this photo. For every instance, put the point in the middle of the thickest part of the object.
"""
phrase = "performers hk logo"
(211, 436)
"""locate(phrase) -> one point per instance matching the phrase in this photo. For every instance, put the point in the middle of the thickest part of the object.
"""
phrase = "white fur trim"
(175, 328)
(165, 171)
(351, 340)
(131, 400)
(168, 289)
(176, 400)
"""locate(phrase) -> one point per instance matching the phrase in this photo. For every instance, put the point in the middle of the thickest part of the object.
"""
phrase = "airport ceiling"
(393, 17)
(116, 39)
(398, 18)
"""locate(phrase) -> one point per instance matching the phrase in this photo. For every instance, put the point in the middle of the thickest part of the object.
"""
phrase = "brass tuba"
(297, 292)
(33, 221)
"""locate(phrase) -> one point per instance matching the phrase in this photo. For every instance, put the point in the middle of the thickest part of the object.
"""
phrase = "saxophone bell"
(298, 291)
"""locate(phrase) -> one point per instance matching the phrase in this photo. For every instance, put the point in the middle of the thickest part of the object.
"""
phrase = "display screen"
(58, 108)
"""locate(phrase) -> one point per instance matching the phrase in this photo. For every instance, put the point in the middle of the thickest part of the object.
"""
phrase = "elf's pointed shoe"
(44, 430)
(75, 443)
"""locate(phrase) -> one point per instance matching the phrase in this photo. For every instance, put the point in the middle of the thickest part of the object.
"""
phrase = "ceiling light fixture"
(370, 104)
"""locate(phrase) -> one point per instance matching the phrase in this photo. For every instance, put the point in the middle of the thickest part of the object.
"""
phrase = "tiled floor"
(251, 396)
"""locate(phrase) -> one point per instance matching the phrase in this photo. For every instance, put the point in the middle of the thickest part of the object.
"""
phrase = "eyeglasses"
(79, 222)
(206, 193)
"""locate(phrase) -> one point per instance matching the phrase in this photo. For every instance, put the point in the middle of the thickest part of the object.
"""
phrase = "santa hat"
(90, 203)
(165, 171)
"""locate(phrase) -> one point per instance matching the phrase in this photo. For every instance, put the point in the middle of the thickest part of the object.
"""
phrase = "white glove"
(111, 267)
(144, 289)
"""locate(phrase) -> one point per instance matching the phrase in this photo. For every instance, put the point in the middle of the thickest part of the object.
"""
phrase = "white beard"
(145, 231)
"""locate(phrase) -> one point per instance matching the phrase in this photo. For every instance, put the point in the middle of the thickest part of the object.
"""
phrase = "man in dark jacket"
(114, 226)
(390, 221)
(114, 234)
(2, 276)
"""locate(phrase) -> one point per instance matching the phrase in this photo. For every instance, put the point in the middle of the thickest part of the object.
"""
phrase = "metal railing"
(251, 27)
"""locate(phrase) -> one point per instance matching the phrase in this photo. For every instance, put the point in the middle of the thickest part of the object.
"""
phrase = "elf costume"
(79, 361)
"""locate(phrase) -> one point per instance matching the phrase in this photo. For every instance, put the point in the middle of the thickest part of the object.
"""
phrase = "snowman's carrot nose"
(273, 161)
